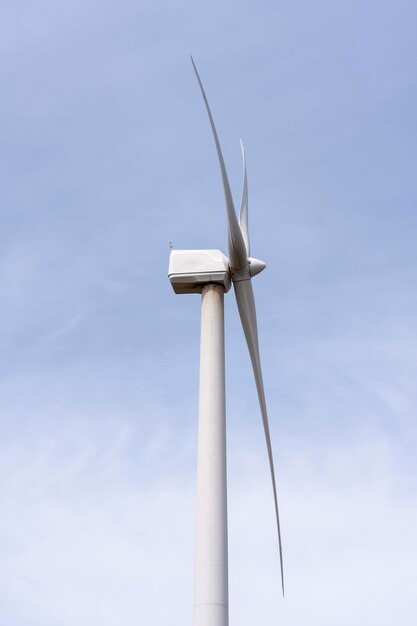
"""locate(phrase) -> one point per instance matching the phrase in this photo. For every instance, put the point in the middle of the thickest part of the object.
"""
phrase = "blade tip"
(194, 66)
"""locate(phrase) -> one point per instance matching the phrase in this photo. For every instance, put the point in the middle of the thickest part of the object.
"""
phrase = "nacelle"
(190, 270)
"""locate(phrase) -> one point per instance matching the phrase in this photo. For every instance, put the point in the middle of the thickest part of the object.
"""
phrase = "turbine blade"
(237, 250)
(247, 312)
(243, 219)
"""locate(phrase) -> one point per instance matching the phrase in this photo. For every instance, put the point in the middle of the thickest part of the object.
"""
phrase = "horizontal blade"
(237, 250)
(243, 219)
(247, 312)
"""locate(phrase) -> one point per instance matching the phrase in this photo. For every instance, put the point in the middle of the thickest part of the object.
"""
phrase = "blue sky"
(106, 156)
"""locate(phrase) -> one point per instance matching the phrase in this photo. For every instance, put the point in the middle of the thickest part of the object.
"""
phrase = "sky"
(106, 157)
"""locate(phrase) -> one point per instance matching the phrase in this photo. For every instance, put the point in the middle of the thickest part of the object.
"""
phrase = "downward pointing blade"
(247, 312)
(237, 250)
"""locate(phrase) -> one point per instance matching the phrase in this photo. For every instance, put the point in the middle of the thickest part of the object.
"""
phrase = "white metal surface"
(211, 568)
(209, 272)
(190, 270)
(236, 244)
(242, 268)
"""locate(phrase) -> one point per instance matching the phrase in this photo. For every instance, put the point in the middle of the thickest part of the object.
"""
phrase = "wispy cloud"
(90, 533)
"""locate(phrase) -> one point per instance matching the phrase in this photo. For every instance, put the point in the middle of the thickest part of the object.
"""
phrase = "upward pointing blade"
(237, 250)
(247, 312)
(243, 219)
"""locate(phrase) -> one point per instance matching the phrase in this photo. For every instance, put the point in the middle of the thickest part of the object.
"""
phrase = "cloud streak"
(89, 532)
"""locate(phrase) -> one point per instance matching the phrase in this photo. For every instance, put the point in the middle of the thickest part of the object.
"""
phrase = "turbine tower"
(211, 273)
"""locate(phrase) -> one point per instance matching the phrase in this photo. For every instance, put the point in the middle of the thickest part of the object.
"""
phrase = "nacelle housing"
(190, 270)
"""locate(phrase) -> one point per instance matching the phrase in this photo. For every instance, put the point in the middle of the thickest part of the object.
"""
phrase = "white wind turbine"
(210, 273)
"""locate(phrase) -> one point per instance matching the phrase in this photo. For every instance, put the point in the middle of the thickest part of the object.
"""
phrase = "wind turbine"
(211, 273)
